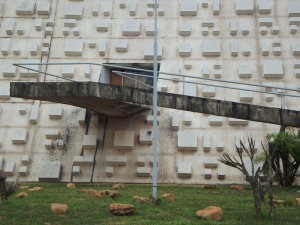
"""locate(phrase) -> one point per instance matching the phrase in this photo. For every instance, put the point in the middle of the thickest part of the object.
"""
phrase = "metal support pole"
(154, 132)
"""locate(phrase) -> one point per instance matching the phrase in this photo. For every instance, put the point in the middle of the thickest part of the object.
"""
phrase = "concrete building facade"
(253, 42)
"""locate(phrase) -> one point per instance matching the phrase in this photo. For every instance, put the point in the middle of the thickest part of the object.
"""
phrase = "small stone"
(113, 194)
(296, 202)
(22, 195)
(121, 209)
(59, 208)
(36, 189)
(119, 186)
(71, 185)
(93, 194)
(23, 187)
(237, 187)
(140, 200)
(277, 201)
(210, 186)
(168, 197)
(211, 213)
(105, 192)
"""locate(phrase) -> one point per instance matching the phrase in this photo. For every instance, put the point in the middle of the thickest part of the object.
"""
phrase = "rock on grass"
(211, 213)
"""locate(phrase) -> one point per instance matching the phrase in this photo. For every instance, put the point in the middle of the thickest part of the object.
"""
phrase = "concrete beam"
(117, 101)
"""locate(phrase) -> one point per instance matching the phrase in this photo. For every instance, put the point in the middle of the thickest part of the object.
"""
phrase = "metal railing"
(193, 79)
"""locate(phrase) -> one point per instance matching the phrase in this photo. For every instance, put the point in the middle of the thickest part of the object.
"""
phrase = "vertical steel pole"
(154, 132)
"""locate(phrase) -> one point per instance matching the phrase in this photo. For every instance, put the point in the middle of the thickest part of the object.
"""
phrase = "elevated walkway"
(117, 101)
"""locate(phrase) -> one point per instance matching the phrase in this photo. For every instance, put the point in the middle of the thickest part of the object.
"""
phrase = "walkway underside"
(116, 101)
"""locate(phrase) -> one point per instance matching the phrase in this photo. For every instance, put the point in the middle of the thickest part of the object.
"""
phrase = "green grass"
(237, 206)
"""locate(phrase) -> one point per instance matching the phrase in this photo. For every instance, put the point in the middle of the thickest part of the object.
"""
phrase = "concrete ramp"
(117, 101)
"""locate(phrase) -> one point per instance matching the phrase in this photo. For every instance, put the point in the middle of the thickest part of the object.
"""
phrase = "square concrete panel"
(48, 144)
(151, 3)
(70, 23)
(246, 96)
(208, 91)
(9, 70)
(264, 7)
(50, 171)
(187, 140)
(109, 171)
(187, 120)
(188, 89)
(206, 142)
(184, 169)
(215, 121)
(5, 48)
(150, 28)
(220, 146)
(50, 22)
(34, 48)
(25, 160)
(149, 51)
(234, 48)
(73, 11)
(233, 26)
(56, 111)
(23, 170)
(131, 28)
(216, 7)
(116, 160)
(25, 7)
(124, 140)
(296, 49)
(294, 8)
(132, 8)
(244, 7)
(43, 8)
(38, 24)
(141, 161)
(102, 25)
(34, 114)
(19, 136)
(145, 137)
(245, 71)
(22, 109)
(143, 172)
(76, 170)
(273, 68)
(9, 169)
(121, 45)
(294, 21)
(188, 8)
(221, 174)
(60, 144)
(211, 47)
(211, 163)
(83, 160)
(237, 122)
(4, 91)
(89, 141)
(293, 29)
(207, 173)
(185, 50)
(95, 7)
(102, 48)
(185, 29)
(265, 22)
(175, 121)
(68, 71)
(74, 47)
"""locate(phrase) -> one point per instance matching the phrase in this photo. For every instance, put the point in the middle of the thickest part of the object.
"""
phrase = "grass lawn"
(237, 206)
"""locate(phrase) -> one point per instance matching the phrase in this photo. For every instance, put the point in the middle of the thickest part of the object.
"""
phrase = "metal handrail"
(144, 70)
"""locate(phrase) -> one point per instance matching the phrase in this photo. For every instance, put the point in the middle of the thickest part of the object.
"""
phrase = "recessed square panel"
(124, 140)
(211, 47)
